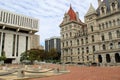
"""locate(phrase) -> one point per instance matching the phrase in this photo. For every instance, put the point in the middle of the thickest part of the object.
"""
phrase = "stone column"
(113, 59)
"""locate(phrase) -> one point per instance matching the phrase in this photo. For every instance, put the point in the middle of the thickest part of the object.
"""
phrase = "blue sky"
(49, 12)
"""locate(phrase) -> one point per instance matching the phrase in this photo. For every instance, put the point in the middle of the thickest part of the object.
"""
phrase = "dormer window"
(113, 6)
(102, 9)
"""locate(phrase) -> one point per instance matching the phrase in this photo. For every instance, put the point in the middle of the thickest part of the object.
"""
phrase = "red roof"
(72, 14)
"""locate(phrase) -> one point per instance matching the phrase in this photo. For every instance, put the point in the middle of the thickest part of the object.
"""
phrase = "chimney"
(99, 2)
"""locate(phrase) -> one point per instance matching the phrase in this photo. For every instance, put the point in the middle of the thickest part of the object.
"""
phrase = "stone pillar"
(104, 60)
(113, 59)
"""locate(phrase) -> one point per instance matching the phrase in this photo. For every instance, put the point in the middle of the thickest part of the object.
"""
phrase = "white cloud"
(49, 12)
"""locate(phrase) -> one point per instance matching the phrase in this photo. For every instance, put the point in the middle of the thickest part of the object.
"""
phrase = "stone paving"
(87, 73)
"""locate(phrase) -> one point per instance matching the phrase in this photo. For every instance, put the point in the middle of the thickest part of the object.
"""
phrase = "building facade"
(53, 43)
(97, 41)
(16, 32)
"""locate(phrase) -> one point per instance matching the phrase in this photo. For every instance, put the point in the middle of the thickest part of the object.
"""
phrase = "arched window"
(93, 48)
(70, 34)
(103, 26)
(102, 10)
(118, 21)
(66, 35)
(108, 58)
(117, 57)
(110, 23)
(77, 41)
(99, 26)
(102, 37)
(63, 36)
(63, 44)
(99, 58)
(71, 43)
(110, 35)
(106, 25)
(78, 50)
(104, 47)
(118, 44)
(118, 33)
(91, 28)
(87, 50)
(66, 43)
(71, 51)
(93, 38)
(114, 22)
(113, 6)
(111, 45)
(82, 41)
(86, 40)
(82, 50)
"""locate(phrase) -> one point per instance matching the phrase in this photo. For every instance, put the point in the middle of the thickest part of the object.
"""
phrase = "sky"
(49, 12)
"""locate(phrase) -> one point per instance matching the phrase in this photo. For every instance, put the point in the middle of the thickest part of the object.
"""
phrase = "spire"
(71, 13)
(91, 10)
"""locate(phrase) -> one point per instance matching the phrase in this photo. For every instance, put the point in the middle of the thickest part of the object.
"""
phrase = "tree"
(53, 54)
(33, 54)
(3, 56)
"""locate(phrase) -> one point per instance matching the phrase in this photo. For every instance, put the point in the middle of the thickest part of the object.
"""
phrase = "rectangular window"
(26, 43)
(17, 45)
(3, 42)
(13, 50)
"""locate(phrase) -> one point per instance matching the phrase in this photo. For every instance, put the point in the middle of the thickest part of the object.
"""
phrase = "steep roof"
(91, 10)
(72, 14)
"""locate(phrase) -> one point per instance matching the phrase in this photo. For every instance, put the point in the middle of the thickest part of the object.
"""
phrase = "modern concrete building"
(53, 43)
(97, 41)
(16, 34)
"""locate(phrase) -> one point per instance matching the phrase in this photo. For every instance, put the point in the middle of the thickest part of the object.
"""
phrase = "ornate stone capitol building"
(95, 42)
(17, 34)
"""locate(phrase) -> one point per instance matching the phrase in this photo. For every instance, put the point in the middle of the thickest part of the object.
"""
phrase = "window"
(86, 40)
(77, 41)
(113, 6)
(118, 44)
(103, 26)
(114, 22)
(106, 25)
(99, 26)
(13, 50)
(118, 21)
(103, 38)
(82, 41)
(26, 43)
(87, 49)
(71, 51)
(110, 23)
(17, 45)
(71, 43)
(63, 44)
(93, 38)
(91, 28)
(93, 48)
(102, 9)
(66, 35)
(66, 43)
(110, 35)
(111, 45)
(82, 50)
(104, 47)
(63, 36)
(78, 51)
(118, 33)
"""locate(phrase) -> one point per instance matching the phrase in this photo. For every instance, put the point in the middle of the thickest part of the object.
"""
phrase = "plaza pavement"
(86, 73)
